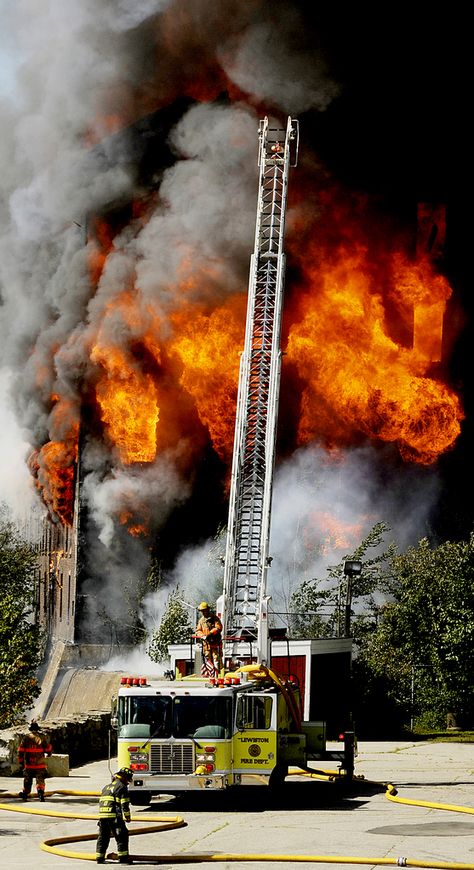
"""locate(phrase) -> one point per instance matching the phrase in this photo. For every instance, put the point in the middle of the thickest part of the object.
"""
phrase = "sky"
(383, 114)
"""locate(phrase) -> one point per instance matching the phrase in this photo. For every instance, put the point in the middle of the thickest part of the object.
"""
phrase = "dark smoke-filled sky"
(127, 214)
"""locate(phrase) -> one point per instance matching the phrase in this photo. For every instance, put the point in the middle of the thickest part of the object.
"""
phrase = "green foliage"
(135, 593)
(374, 575)
(21, 640)
(412, 621)
(129, 627)
(317, 606)
(313, 611)
(175, 627)
(429, 721)
(424, 642)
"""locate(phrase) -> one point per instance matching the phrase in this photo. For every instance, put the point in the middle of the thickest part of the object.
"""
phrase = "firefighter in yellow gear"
(114, 811)
(32, 752)
(209, 631)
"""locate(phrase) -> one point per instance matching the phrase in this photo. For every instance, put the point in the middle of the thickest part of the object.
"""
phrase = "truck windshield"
(198, 716)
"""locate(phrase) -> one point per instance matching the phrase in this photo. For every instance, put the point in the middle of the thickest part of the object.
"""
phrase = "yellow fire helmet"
(204, 606)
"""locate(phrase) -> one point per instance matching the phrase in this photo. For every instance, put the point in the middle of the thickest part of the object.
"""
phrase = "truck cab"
(190, 735)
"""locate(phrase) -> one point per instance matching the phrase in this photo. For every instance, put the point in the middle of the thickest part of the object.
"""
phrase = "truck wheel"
(140, 798)
(278, 776)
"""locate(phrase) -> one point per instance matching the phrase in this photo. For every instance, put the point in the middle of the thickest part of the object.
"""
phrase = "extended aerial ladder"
(213, 732)
(244, 603)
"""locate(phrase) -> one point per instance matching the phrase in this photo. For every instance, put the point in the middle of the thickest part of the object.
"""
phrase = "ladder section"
(244, 604)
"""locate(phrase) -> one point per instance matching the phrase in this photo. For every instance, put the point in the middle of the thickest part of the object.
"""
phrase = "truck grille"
(172, 758)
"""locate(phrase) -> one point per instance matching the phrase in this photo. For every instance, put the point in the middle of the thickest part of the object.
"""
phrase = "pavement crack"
(200, 839)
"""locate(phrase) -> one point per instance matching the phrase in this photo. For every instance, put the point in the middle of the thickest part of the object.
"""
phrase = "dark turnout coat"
(33, 750)
(114, 802)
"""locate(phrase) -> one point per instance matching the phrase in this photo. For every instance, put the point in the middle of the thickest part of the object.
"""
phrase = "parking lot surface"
(307, 817)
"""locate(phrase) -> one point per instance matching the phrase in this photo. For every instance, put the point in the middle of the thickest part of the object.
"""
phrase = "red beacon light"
(143, 681)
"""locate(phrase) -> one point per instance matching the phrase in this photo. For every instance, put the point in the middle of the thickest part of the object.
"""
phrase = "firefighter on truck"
(209, 631)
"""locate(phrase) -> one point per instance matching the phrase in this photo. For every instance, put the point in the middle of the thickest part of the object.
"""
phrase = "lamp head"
(352, 568)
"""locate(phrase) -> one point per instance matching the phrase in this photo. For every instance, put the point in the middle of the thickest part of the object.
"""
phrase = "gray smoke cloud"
(77, 66)
(73, 65)
(272, 62)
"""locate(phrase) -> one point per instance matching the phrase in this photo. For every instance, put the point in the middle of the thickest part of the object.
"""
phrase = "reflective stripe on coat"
(32, 751)
(114, 802)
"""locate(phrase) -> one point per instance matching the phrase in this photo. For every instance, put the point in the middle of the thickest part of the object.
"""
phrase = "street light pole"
(352, 568)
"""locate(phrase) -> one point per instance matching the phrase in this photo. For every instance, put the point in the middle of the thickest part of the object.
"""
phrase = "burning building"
(127, 227)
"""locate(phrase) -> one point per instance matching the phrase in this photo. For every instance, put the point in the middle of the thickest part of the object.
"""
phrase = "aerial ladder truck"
(197, 733)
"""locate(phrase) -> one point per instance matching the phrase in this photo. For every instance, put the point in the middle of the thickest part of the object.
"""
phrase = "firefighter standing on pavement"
(32, 752)
(114, 811)
(209, 630)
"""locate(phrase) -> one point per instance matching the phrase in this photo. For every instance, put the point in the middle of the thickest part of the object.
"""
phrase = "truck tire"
(278, 776)
(140, 798)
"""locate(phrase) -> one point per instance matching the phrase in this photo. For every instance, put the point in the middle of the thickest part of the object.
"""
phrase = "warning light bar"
(133, 681)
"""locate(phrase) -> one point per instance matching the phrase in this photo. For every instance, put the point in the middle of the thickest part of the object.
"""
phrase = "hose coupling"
(401, 862)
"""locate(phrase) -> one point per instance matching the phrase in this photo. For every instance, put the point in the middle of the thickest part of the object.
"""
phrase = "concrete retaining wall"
(81, 738)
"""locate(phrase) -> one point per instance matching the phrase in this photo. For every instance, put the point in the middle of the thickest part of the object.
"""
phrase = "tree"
(316, 607)
(313, 611)
(129, 627)
(425, 639)
(175, 627)
(21, 639)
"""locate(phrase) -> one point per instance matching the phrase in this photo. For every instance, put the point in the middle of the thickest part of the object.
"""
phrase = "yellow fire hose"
(167, 823)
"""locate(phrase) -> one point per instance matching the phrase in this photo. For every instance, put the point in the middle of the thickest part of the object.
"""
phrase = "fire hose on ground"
(166, 823)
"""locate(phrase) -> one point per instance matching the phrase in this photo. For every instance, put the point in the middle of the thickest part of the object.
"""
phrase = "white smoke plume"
(323, 507)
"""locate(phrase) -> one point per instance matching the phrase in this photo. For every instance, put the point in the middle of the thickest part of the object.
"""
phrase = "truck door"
(255, 734)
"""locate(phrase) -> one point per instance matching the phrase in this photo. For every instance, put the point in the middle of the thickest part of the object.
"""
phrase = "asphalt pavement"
(306, 818)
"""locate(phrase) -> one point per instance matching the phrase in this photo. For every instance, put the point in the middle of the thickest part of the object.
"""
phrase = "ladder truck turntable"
(196, 733)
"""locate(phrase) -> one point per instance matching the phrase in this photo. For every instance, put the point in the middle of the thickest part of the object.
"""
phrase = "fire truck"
(201, 733)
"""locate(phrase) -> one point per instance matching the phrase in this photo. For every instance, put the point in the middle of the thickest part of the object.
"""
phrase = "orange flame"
(362, 342)
(337, 534)
(137, 530)
(127, 395)
(356, 373)
(53, 468)
(208, 348)
(421, 296)
(360, 377)
(129, 406)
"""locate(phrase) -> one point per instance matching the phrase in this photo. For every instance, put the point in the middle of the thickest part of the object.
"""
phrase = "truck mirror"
(114, 723)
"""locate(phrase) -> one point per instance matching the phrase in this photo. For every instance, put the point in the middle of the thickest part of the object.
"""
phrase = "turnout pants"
(212, 659)
(29, 775)
(109, 828)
